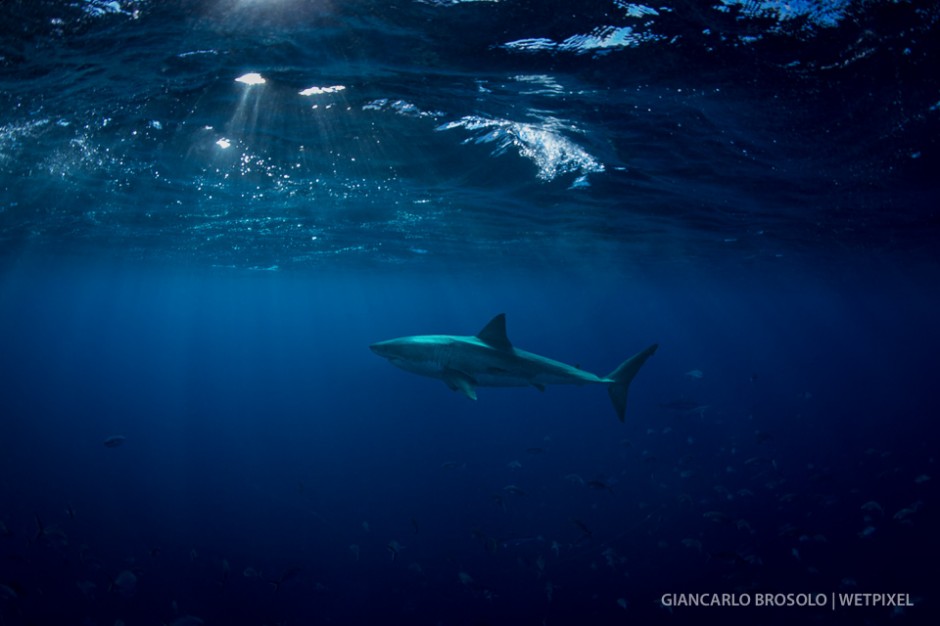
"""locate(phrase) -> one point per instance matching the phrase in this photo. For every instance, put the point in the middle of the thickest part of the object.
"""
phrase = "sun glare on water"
(252, 78)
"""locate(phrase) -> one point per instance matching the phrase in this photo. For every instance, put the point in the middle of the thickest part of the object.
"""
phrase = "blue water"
(209, 210)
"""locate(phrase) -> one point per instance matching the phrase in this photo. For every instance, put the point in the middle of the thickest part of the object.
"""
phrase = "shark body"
(488, 359)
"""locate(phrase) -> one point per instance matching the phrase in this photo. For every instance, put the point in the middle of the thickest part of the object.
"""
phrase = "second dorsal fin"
(494, 333)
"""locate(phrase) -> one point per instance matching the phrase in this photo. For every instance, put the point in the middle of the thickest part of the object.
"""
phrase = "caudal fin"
(623, 376)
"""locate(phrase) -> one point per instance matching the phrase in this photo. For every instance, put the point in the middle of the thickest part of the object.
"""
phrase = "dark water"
(192, 268)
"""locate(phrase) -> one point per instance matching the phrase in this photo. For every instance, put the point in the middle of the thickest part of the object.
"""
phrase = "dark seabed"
(209, 210)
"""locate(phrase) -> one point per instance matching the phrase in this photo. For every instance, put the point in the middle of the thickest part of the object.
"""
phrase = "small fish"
(583, 527)
(622, 603)
(513, 490)
(680, 405)
(515, 542)
(226, 572)
(698, 374)
(114, 441)
(729, 556)
(514, 465)
(684, 406)
(289, 574)
(574, 479)
(51, 536)
(535, 450)
(414, 524)
(905, 513)
(757, 460)
(394, 548)
(465, 578)
(125, 582)
(920, 480)
(871, 506)
(599, 484)
(40, 529)
(187, 620)
(789, 530)
(85, 586)
(717, 517)
(490, 545)
(7, 593)
(692, 544)
(354, 548)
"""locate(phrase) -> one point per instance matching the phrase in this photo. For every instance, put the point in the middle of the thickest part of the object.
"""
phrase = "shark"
(488, 359)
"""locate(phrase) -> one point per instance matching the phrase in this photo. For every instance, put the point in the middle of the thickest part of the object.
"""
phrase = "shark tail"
(623, 376)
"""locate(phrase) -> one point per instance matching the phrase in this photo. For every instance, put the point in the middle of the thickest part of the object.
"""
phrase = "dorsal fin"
(494, 333)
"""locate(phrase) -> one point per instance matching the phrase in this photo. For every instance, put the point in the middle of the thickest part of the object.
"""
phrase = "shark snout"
(381, 348)
(391, 349)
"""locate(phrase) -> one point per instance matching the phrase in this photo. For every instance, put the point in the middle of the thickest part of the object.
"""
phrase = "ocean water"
(209, 210)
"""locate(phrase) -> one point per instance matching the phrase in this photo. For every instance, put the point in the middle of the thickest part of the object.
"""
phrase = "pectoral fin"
(458, 381)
